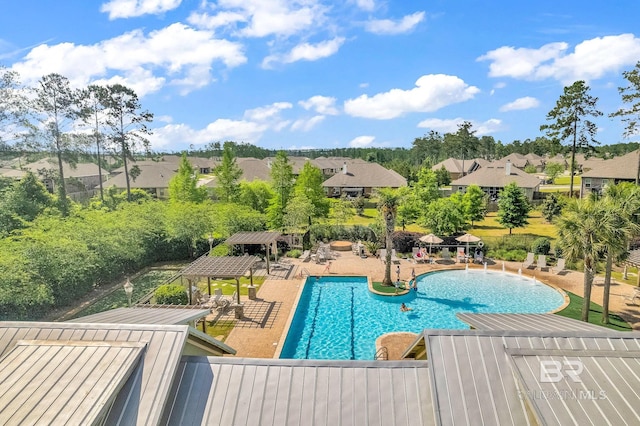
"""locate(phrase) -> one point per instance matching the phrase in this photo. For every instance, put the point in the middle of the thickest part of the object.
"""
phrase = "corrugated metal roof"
(221, 267)
(48, 382)
(237, 391)
(144, 396)
(473, 381)
(264, 237)
(534, 322)
(145, 315)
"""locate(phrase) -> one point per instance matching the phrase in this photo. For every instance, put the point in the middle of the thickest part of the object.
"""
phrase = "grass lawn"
(538, 227)
(566, 180)
(574, 310)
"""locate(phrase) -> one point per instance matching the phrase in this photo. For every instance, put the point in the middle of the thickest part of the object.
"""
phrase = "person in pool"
(405, 308)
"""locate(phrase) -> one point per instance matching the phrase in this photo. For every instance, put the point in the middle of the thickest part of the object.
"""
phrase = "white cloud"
(305, 124)
(211, 22)
(306, 52)
(268, 112)
(220, 129)
(451, 125)
(526, 102)
(183, 54)
(361, 141)
(363, 85)
(320, 104)
(367, 5)
(131, 8)
(591, 59)
(432, 92)
(388, 26)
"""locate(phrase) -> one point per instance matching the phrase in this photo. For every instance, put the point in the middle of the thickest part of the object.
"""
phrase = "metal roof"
(145, 315)
(263, 237)
(222, 267)
(142, 399)
(534, 322)
(51, 382)
(473, 380)
(241, 391)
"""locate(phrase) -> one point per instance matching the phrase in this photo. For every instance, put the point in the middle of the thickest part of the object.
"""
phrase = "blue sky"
(319, 73)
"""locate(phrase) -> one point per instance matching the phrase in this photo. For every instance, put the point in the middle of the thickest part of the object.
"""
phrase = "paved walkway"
(260, 334)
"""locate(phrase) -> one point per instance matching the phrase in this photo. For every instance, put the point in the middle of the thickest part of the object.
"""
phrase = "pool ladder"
(382, 354)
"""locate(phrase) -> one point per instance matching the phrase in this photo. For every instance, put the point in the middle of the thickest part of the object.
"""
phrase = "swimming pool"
(339, 318)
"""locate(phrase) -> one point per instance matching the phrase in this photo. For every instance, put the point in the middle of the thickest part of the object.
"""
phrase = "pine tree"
(228, 174)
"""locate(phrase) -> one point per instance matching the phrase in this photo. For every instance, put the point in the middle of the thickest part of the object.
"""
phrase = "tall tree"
(513, 207)
(309, 183)
(93, 100)
(631, 115)
(475, 203)
(256, 194)
(183, 187)
(446, 216)
(463, 143)
(57, 107)
(228, 174)
(127, 123)
(580, 236)
(12, 101)
(388, 202)
(569, 121)
(552, 206)
(282, 181)
(428, 147)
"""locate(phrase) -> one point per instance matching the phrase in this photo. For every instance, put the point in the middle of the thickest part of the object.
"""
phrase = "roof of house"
(286, 391)
(297, 163)
(12, 173)
(335, 163)
(535, 159)
(253, 168)
(139, 394)
(369, 175)
(154, 175)
(494, 175)
(623, 167)
(76, 171)
(518, 160)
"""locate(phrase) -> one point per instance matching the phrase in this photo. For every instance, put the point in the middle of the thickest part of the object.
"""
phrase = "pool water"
(339, 318)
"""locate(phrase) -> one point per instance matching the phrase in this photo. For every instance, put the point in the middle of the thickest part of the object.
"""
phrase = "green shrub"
(171, 294)
(517, 255)
(221, 250)
(541, 246)
(295, 253)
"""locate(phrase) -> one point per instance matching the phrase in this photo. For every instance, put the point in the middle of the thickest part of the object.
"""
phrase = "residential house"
(456, 167)
(357, 179)
(517, 160)
(494, 177)
(332, 165)
(202, 165)
(80, 177)
(535, 160)
(584, 163)
(610, 172)
(154, 177)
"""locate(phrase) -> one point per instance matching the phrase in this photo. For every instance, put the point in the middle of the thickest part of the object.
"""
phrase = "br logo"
(555, 371)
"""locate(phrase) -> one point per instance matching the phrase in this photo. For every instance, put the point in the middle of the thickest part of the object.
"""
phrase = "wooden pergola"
(266, 238)
(219, 267)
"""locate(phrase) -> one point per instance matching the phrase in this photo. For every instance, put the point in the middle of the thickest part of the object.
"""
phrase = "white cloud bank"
(526, 102)
(451, 125)
(132, 8)
(306, 52)
(389, 26)
(361, 141)
(591, 59)
(432, 92)
(320, 104)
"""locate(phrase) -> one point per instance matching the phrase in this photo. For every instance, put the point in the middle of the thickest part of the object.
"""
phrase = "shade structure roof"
(431, 239)
(264, 237)
(468, 238)
(146, 315)
(222, 267)
(548, 322)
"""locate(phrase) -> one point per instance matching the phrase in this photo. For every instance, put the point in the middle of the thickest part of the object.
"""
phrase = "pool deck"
(264, 335)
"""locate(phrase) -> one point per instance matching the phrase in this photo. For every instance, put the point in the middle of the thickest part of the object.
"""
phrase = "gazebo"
(266, 238)
(219, 267)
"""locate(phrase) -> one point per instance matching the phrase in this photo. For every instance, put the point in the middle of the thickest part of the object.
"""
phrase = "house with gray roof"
(517, 160)
(610, 172)
(362, 179)
(494, 177)
(154, 178)
(458, 168)
(80, 177)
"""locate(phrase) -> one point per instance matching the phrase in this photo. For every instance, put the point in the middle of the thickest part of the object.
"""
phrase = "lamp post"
(128, 289)
(210, 243)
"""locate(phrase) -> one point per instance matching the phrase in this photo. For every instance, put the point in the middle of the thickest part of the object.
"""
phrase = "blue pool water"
(338, 318)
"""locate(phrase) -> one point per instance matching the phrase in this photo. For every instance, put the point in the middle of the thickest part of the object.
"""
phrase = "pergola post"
(209, 285)
(268, 246)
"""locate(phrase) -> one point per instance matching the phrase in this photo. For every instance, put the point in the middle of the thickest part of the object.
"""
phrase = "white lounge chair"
(542, 261)
(461, 255)
(445, 254)
(528, 261)
(559, 267)
(631, 299)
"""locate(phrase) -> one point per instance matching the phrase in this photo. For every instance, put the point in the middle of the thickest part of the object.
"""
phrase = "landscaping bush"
(404, 241)
(541, 246)
(295, 253)
(171, 294)
(324, 232)
(221, 250)
(517, 255)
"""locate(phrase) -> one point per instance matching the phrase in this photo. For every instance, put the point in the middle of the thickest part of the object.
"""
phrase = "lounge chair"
(445, 254)
(461, 255)
(479, 257)
(542, 261)
(631, 299)
(559, 267)
(528, 261)
(418, 255)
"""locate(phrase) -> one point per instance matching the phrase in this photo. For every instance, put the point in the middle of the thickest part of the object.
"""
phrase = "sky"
(296, 74)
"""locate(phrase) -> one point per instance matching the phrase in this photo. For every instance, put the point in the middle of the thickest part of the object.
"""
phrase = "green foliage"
(221, 250)
(171, 294)
(552, 206)
(517, 255)
(309, 184)
(228, 174)
(297, 213)
(282, 181)
(183, 187)
(256, 194)
(513, 207)
(295, 253)
(326, 232)
(443, 176)
(359, 204)
(553, 170)
(446, 216)
(188, 222)
(530, 168)
(541, 245)
(474, 202)
(342, 211)
(22, 202)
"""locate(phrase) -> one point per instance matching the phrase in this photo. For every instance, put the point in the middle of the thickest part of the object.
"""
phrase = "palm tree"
(622, 202)
(388, 202)
(581, 230)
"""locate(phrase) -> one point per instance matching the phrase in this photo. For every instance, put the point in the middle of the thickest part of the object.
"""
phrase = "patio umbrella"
(468, 238)
(431, 239)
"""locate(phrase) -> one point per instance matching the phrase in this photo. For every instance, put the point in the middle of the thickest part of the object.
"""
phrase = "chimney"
(344, 168)
(507, 168)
